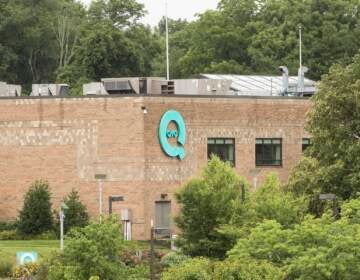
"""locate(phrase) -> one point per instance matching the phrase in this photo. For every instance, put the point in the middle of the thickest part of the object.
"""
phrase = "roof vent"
(285, 79)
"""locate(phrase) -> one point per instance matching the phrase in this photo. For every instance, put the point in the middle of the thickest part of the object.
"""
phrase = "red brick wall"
(68, 141)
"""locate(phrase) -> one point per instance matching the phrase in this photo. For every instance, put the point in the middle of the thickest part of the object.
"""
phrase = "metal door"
(162, 217)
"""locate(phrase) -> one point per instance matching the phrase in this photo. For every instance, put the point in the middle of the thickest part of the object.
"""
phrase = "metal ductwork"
(301, 80)
(285, 79)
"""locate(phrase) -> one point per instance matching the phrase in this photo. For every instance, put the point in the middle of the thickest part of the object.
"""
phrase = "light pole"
(152, 251)
(63, 207)
(100, 178)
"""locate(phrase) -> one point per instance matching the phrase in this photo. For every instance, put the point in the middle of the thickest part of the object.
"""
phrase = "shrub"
(197, 268)
(10, 235)
(90, 251)
(173, 258)
(207, 203)
(26, 271)
(6, 267)
(76, 214)
(246, 270)
(272, 202)
(35, 216)
(11, 225)
(317, 248)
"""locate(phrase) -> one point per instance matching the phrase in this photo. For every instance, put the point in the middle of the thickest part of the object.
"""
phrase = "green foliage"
(272, 202)
(332, 164)
(173, 259)
(246, 270)
(93, 251)
(6, 267)
(76, 214)
(197, 268)
(11, 225)
(318, 248)
(36, 217)
(254, 36)
(207, 203)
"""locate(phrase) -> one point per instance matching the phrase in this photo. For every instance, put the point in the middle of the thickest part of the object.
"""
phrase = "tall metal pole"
(300, 45)
(167, 42)
(61, 228)
(100, 198)
(152, 252)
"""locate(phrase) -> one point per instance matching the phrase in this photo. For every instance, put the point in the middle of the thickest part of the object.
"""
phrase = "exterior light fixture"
(145, 111)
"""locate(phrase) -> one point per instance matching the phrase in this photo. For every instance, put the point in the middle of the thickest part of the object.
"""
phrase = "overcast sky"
(176, 8)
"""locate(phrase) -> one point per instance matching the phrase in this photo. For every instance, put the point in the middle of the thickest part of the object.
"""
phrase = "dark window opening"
(268, 152)
(224, 148)
(306, 143)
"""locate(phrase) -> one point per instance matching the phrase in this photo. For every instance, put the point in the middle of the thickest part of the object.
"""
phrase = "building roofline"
(155, 95)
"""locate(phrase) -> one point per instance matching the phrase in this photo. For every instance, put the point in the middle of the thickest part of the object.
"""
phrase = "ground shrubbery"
(94, 251)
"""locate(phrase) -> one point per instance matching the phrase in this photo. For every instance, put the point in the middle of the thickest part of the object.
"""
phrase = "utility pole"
(167, 42)
(300, 45)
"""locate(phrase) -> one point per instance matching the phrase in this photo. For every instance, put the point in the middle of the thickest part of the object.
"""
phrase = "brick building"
(67, 141)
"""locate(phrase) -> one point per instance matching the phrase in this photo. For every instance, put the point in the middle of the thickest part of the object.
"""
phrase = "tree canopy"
(63, 41)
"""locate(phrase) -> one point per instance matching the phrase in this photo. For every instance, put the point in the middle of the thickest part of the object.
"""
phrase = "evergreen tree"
(36, 216)
(76, 214)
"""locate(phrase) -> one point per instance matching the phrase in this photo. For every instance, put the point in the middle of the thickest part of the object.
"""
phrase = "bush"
(207, 203)
(197, 268)
(36, 216)
(247, 270)
(173, 258)
(12, 225)
(90, 251)
(6, 267)
(272, 202)
(76, 214)
(10, 235)
(317, 248)
(26, 271)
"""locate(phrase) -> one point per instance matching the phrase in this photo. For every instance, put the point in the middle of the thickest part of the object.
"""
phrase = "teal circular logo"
(165, 134)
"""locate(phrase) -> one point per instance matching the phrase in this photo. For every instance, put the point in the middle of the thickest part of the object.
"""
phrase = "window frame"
(302, 144)
(233, 162)
(262, 163)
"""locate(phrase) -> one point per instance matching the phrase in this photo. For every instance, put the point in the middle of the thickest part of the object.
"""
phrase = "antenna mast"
(300, 45)
(167, 41)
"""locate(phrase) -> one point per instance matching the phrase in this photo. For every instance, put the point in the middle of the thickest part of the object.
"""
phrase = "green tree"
(332, 164)
(93, 251)
(207, 203)
(76, 214)
(197, 268)
(36, 216)
(318, 248)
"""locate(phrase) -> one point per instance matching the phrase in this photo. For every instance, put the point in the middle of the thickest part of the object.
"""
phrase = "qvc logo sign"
(165, 134)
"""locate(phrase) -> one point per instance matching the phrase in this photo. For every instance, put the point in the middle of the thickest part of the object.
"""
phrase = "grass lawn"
(9, 248)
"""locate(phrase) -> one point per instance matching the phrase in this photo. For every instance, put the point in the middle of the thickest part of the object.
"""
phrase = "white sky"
(185, 9)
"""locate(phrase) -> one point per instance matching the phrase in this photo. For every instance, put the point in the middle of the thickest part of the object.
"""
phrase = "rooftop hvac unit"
(94, 89)
(7, 90)
(122, 85)
(50, 90)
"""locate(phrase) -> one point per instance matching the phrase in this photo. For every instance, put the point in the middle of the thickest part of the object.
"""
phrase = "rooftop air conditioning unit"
(7, 90)
(50, 90)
